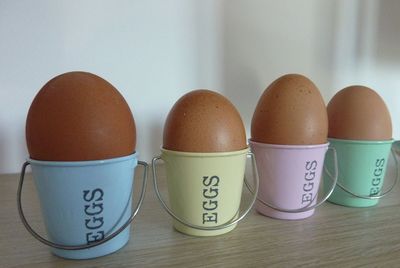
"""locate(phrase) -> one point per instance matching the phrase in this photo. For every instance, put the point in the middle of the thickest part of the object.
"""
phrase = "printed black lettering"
(309, 176)
(97, 191)
(377, 176)
(210, 193)
(210, 217)
(213, 180)
(311, 165)
(94, 237)
(94, 220)
(380, 162)
(308, 186)
(210, 205)
(378, 172)
(306, 198)
(95, 209)
(374, 191)
(376, 181)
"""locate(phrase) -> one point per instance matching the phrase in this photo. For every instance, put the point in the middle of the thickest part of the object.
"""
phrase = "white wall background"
(154, 51)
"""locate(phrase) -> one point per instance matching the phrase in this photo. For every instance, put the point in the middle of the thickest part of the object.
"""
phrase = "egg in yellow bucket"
(204, 150)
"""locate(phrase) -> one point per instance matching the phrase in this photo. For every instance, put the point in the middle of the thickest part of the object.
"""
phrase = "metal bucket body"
(83, 202)
(362, 169)
(289, 178)
(204, 188)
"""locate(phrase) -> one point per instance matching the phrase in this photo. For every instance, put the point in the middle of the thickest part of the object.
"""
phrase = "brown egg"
(359, 113)
(78, 116)
(291, 111)
(204, 121)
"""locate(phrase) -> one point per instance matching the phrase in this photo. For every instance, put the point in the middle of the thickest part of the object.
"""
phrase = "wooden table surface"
(334, 236)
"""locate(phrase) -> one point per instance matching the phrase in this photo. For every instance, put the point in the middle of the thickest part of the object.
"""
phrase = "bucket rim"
(366, 142)
(82, 163)
(206, 154)
(290, 146)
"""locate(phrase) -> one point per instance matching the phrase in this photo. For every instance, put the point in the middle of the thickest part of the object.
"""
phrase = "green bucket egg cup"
(362, 169)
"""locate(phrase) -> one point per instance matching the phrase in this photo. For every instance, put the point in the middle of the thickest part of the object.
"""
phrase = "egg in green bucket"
(360, 129)
(204, 150)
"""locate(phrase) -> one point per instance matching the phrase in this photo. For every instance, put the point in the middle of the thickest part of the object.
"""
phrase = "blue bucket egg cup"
(86, 205)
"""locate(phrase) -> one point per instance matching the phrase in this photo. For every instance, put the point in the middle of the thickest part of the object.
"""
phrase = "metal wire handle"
(83, 246)
(231, 222)
(308, 207)
(371, 197)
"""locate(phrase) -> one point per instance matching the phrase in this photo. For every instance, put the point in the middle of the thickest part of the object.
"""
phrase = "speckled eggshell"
(359, 113)
(291, 111)
(204, 121)
(78, 116)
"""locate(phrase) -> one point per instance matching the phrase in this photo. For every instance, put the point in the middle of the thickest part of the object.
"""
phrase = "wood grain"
(334, 236)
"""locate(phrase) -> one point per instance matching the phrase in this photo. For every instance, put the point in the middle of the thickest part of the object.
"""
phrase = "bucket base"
(195, 232)
(272, 213)
(110, 247)
(353, 202)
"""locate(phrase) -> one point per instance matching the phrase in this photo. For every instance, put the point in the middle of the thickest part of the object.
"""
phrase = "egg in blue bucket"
(204, 151)
(360, 129)
(81, 137)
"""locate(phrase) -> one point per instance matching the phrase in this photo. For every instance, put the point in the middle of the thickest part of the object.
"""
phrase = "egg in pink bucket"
(204, 151)
(81, 137)
(289, 131)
